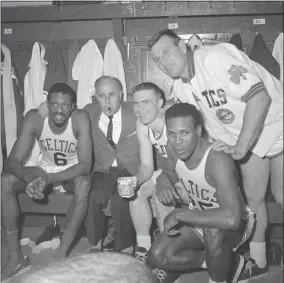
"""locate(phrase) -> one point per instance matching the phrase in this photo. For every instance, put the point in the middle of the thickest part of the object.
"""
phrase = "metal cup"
(126, 186)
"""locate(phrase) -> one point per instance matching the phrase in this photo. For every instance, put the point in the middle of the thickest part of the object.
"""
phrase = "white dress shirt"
(116, 121)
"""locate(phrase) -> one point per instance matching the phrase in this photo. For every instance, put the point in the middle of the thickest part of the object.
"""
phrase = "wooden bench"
(58, 203)
(39, 213)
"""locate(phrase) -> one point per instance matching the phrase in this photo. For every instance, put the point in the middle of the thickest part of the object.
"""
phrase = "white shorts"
(250, 219)
(277, 147)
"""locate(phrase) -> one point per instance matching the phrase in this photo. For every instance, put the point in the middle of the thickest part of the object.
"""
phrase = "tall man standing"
(242, 104)
(66, 147)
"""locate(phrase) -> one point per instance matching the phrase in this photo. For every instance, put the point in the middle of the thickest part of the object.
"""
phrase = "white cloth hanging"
(87, 68)
(34, 78)
(10, 114)
(113, 64)
(33, 90)
(278, 53)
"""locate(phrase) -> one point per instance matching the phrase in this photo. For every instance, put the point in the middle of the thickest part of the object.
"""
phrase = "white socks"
(211, 281)
(258, 253)
(204, 265)
(144, 241)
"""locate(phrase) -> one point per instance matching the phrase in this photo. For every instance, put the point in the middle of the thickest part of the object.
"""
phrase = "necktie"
(109, 132)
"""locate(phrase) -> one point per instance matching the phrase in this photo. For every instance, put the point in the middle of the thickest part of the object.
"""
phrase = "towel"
(113, 64)
(278, 53)
(34, 93)
(87, 68)
(10, 114)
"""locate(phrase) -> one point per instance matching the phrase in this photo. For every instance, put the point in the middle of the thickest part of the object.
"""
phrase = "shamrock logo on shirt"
(236, 73)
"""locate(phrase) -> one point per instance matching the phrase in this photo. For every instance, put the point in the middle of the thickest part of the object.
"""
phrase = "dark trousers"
(104, 188)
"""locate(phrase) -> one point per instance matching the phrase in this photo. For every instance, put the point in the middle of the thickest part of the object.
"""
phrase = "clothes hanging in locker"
(87, 68)
(19, 101)
(72, 53)
(56, 70)
(113, 64)
(34, 78)
(278, 53)
(34, 93)
(10, 114)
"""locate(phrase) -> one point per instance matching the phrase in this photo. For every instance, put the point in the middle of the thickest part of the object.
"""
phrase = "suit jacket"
(127, 148)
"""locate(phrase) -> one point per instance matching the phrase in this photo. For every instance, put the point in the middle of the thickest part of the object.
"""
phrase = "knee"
(7, 184)
(213, 241)
(255, 200)
(156, 256)
(82, 187)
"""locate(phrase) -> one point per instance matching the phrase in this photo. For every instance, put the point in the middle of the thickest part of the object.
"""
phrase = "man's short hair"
(62, 88)
(115, 80)
(150, 86)
(185, 110)
(156, 37)
(100, 267)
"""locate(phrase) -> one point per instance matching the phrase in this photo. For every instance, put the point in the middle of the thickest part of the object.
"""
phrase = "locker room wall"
(132, 24)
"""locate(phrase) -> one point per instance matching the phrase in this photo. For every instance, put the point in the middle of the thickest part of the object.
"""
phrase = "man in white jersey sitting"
(242, 105)
(215, 221)
(148, 99)
(66, 148)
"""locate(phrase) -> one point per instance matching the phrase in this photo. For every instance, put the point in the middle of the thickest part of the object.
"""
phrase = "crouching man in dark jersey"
(66, 157)
(206, 231)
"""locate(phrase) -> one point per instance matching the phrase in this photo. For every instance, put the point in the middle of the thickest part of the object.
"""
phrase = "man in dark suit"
(116, 151)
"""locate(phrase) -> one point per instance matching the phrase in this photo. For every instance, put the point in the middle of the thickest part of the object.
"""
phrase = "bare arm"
(221, 172)
(166, 192)
(82, 126)
(169, 167)
(146, 168)
(254, 117)
(23, 146)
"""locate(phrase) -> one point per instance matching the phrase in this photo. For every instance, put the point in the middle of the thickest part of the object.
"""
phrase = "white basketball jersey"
(59, 152)
(224, 80)
(160, 142)
(202, 194)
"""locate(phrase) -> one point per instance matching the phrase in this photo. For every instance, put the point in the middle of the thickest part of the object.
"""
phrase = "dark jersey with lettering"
(59, 152)
(202, 194)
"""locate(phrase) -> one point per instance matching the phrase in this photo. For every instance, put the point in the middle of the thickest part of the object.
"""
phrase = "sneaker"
(49, 233)
(22, 267)
(274, 254)
(166, 277)
(252, 271)
(236, 268)
(141, 254)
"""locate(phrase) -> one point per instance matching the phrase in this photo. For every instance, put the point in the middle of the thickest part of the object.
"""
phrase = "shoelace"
(161, 274)
(141, 256)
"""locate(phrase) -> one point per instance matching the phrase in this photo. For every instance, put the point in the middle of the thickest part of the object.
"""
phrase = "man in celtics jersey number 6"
(66, 157)
(209, 228)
